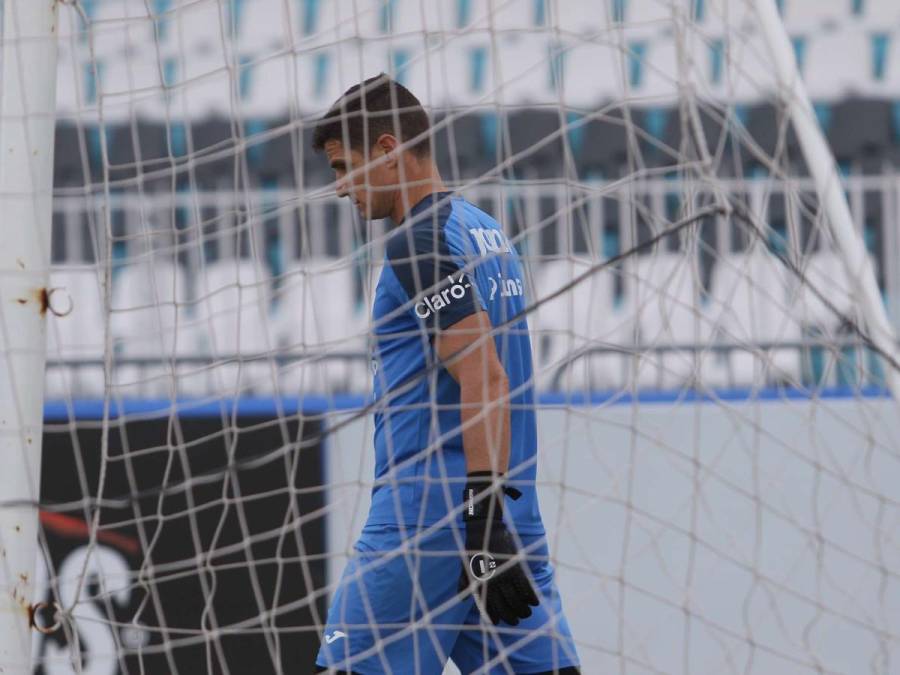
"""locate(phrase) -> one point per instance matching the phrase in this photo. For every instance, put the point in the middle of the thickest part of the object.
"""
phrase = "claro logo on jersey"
(455, 291)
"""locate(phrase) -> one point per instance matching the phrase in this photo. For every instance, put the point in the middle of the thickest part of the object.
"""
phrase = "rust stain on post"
(43, 298)
(21, 601)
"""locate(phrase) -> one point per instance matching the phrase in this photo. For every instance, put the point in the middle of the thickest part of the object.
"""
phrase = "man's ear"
(389, 146)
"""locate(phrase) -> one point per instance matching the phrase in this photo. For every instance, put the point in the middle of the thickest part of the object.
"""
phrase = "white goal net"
(718, 449)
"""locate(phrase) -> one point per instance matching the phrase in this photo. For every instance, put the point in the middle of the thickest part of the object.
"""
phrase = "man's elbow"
(487, 378)
(496, 376)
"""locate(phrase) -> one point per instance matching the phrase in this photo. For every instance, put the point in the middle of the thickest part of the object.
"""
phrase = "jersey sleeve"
(441, 293)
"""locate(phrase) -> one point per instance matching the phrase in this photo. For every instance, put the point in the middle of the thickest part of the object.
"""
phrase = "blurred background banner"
(189, 546)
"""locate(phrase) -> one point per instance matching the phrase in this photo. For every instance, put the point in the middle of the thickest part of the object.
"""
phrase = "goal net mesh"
(717, 453)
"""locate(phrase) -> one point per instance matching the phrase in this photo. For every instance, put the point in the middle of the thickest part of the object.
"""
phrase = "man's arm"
(490, 566)
(468, 353)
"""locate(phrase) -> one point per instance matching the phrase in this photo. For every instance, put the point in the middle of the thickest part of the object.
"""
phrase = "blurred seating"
(713, 125)
(459, 146)
(860, 131)
(827, 307)
(148, 320)
(662, 296)
(523, 69)
(827, 70)
(71, 167)
(135, 149)
(515, 15)
(288, 157)
(570, 330)
(643, 16)
(606, 145)
(265, 26)
(825, 295)
(457, 75)
(215, 163)
(413, 16)
(814, 15)
(581, 18)
(183, 91)
(123, 24)
(653, 72)
(349, 18)
(77, 335)
(259, 76)
(592, 73)
(876, 15)
(206, 87)
(891, 84)
(232, 302)
(771, 130)
(751, 303)
(200, 45)
(316, 314)
(536, 138)
(582, 340)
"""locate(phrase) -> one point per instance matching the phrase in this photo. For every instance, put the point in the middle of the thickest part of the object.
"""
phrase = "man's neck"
(411, 196)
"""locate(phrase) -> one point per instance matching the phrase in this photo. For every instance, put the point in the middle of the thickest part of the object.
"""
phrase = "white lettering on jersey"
(507, 287)
(490, 241)
(456, 290)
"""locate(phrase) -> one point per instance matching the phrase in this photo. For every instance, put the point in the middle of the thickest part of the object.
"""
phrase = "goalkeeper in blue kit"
(452, 562)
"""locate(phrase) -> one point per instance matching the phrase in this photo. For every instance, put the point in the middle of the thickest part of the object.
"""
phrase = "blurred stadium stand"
(207, 113)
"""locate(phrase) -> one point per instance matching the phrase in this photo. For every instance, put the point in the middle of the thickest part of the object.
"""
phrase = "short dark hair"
(377, 106)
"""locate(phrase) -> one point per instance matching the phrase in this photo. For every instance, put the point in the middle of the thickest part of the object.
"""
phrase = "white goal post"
(27, 117)
(825, 171)
(186, 321)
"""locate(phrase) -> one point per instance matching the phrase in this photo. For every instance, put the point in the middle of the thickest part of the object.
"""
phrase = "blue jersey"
(446, 261)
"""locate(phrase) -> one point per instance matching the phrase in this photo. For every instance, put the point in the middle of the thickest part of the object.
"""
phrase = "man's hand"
(504, 588)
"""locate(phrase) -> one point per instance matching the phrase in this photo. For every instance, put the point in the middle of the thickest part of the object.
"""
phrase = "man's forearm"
(485, 422)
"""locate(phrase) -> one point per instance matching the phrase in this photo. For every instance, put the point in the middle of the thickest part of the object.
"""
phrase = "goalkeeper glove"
(505, 589)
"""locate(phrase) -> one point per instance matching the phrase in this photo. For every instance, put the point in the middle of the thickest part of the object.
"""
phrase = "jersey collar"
(427, 202)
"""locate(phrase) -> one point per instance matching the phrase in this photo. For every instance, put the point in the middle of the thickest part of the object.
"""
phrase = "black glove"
(507, 595)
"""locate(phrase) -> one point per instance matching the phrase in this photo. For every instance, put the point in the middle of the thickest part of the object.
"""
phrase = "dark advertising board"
(209, 550)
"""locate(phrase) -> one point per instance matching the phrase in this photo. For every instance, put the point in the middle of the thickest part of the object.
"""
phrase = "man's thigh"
(396, 608)
(542, 643)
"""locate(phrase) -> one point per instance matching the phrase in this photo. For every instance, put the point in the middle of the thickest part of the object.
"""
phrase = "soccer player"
(452, 561)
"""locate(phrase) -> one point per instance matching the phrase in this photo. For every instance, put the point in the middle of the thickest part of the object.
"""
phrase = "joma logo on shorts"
(455, 291)
(336, 635)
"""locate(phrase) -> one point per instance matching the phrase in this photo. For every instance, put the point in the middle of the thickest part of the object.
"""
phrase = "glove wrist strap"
(483, 496)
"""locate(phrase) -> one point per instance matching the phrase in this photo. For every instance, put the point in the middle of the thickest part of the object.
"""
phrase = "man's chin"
(368, 214)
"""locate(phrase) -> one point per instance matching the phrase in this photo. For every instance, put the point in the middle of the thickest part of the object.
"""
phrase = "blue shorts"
(396, 610)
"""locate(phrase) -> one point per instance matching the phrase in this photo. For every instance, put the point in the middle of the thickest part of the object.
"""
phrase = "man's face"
(370, 185)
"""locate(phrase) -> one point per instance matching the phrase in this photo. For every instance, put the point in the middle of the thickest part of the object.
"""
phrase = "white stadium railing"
(305, 266)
